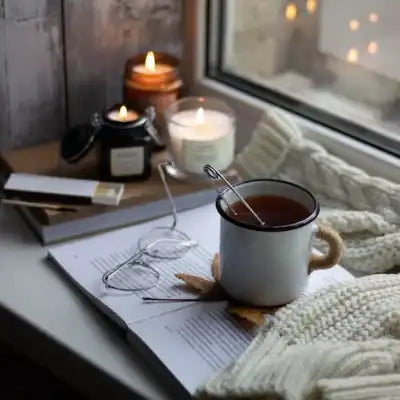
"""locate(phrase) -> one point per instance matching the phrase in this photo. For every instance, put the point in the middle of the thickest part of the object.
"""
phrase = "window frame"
(249, 108)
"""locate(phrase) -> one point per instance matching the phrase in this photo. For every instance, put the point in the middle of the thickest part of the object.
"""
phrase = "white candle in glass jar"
(202, 136)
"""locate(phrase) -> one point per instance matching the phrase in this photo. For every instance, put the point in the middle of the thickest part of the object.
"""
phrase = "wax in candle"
(158, 69)
(201, 137)
(150, 67)
(122, 115)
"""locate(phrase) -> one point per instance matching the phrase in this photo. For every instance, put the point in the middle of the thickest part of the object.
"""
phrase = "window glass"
(334, 60)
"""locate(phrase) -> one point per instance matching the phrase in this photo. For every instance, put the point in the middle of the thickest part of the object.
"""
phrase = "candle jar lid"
(78, 140)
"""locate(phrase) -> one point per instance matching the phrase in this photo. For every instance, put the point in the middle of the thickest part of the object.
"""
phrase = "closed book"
(141, 201)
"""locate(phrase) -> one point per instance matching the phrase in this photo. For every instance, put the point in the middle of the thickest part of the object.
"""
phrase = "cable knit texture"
(339, 343)
(365, 210)
(342, 342)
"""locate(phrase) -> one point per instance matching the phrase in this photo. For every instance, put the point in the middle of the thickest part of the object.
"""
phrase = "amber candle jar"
(151, 79)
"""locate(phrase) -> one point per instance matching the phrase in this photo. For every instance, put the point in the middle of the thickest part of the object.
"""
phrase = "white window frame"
(249, 109)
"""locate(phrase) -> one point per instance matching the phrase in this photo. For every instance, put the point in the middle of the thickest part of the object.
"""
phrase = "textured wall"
(60, 60)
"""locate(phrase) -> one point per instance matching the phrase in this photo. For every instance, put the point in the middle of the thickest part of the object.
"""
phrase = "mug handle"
(335, 243)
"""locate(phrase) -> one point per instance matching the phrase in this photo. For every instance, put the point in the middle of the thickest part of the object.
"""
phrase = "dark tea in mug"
(273, 210)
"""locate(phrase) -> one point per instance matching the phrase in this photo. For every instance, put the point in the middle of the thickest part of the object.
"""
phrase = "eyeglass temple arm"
(107, 275)
(161, 170)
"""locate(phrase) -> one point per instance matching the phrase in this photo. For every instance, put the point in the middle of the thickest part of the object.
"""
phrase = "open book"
(193, 340)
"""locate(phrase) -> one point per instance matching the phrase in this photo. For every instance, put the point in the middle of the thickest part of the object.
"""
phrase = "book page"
(86, 260)
(194, 342)
(324, 278)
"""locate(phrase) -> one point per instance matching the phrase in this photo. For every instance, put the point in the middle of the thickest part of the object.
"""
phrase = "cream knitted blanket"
(365, 210)
(337, 344)
(343, 342)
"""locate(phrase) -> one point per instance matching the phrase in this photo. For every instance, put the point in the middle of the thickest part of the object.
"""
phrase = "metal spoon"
(215, 174)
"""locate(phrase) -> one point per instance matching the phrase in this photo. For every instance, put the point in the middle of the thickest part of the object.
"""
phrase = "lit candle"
(201, 136)
(291, 12)
(151, 79)
(124, 150)
(372, 47)
(354, 24)
(311, 6)
(352, 56)
(373, 17)
(122, 115)
(150, 67)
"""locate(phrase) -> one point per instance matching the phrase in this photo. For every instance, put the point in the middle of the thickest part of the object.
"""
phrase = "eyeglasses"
(161, 243)
(137, 273)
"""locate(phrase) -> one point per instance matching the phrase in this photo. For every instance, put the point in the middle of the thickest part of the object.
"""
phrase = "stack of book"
(140, 202)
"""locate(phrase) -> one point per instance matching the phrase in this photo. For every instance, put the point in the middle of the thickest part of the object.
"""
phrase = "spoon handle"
(215, 174)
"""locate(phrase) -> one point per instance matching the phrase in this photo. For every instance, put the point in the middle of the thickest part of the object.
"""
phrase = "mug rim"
(269, 228)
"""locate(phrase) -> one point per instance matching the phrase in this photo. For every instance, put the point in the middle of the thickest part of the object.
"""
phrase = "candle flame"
(150, 62)
(200, 115)
(123, 112)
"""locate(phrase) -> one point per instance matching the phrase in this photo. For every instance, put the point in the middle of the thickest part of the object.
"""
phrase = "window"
(336, 62)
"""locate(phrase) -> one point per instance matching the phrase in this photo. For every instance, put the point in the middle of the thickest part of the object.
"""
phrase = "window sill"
(249, 110)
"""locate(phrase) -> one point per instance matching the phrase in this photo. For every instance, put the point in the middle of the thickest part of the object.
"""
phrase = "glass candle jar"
(151, 79)
(201, 131)
(124, 140)
(124, 146)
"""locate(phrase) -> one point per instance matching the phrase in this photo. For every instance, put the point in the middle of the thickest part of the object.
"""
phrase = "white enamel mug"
(269, 265)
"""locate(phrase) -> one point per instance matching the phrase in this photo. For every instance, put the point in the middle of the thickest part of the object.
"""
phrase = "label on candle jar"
(196, 153)
(127, 161)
